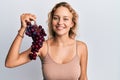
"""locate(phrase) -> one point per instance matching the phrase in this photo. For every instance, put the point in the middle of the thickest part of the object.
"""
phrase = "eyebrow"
(63, 16)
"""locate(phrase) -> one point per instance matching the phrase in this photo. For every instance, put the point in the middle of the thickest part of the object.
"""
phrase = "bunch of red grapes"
(37, 34)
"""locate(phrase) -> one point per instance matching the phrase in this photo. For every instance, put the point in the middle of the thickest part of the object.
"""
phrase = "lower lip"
(60, 28)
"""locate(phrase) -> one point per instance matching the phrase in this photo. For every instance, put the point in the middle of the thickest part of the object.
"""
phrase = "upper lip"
(60, 27)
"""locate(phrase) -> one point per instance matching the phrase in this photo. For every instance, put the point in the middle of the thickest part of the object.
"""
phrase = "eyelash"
(66, 19)
(55, 18)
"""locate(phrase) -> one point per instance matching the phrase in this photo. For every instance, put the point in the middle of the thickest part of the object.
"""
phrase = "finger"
(28, 15)
(27, 18)
(32, 18)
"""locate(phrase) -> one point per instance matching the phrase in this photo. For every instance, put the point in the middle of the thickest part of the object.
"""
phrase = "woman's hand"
(14, 57)
(27, 17)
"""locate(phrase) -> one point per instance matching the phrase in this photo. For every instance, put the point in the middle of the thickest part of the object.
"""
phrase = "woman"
(63, 57)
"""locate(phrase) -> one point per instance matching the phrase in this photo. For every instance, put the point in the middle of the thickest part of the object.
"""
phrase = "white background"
(99, 27)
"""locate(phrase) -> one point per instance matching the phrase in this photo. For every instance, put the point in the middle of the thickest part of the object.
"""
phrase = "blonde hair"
(72, 32)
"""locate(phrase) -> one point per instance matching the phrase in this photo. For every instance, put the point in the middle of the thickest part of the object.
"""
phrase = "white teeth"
(60, 28)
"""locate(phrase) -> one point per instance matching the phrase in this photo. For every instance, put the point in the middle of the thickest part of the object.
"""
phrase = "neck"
(62, 40)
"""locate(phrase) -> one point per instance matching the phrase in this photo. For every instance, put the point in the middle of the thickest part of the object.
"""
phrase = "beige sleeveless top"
(55, 71)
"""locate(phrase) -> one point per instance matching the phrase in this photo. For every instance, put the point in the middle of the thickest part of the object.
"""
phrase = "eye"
(66, 19)
(55, 18)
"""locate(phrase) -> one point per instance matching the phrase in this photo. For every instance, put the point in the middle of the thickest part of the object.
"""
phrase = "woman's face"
(62, 21)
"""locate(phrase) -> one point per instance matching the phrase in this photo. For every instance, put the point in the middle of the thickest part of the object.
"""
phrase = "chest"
(61, 71)
(62, 55)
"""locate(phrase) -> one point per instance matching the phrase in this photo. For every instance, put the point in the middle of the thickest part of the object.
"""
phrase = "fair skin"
(62, 47)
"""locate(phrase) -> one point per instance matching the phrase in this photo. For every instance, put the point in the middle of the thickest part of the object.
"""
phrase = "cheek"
(70, 24)
(53, 24)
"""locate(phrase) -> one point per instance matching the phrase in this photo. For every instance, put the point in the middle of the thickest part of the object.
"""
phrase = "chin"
(61, 34)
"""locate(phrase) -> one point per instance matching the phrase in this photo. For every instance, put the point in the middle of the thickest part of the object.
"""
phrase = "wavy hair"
(72, 32)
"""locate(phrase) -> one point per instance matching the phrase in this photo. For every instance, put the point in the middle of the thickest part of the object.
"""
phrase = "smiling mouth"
(60, 27)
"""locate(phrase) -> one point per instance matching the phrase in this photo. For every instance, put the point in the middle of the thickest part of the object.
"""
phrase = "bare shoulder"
(81, 44)
(82, 48)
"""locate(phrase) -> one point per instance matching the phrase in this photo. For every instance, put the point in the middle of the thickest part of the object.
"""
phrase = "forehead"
(62, 11)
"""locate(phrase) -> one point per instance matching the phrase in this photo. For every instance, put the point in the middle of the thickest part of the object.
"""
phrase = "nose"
(60, 21)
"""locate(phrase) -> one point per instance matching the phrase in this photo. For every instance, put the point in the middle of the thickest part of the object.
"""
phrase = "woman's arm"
(83, 61)
(14, 57)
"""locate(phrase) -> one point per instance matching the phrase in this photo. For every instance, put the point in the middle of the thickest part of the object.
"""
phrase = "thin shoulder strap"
(47, 47)
(76, 48)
